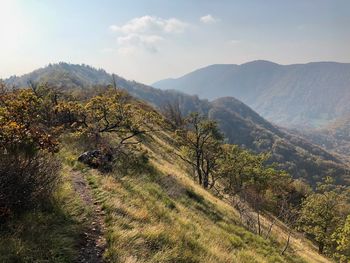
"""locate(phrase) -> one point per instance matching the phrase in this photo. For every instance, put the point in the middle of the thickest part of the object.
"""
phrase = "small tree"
(250, 183)
(289, 216)
(341, 237)
(320, 215)
(201, 147)
(116, 112)
(172, 112)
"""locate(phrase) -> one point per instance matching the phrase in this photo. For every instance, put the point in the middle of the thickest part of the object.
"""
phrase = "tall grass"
(50, 235)
(148, 222)
(153, 214)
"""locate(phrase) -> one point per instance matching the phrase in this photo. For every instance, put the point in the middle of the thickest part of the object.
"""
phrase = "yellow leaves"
(22, 122)
(14, 125)
(12, 130)
(115, 112)
(37, 118)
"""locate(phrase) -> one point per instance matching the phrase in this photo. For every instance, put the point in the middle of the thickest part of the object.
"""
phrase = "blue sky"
(148, 40)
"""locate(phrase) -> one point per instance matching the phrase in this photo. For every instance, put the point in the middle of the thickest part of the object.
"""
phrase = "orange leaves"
(23, 124)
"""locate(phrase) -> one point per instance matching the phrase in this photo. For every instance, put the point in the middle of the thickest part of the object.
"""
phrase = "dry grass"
(158, 215)
(299, 245)
(144, 224)
(164, 216)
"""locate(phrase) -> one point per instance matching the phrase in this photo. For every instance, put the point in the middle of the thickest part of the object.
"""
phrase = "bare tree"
(171, 110)
(290, 218)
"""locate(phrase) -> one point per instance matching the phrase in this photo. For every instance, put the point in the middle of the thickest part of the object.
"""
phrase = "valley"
(155, 131)
(296, 96)
(123, 211)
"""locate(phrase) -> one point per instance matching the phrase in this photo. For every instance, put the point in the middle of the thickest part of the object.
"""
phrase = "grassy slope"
(47, 236)
(300, 246)
(160, 215)
(163, 216)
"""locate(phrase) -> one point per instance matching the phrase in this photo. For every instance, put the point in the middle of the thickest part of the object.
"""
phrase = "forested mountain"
(310, 94)
(96, 175)
(240, 124)
(334, 137)
(64, 75)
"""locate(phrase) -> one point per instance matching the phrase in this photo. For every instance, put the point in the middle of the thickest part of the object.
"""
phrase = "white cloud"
(151, 24)
(114, 27)
(132, 41)
(208, 19)
(146, 33)
(135, 39)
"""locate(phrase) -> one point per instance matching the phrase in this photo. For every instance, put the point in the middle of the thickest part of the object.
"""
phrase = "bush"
(26, 182)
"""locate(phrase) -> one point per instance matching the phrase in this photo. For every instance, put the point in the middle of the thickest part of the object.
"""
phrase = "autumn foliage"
(32, 121)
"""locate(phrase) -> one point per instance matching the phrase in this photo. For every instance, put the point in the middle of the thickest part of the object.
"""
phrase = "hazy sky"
(148, 40)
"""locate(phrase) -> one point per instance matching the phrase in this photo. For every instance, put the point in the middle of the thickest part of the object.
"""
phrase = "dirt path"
(93, 242)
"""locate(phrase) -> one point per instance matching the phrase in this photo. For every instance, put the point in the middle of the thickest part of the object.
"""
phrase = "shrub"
(26, 182)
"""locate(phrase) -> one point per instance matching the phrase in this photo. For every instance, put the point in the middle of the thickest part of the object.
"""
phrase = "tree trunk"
(97, 139)
(287, 244)
(259, 224)
(200, 179)
(270, 228)
(199, 171)
(320, 247)
(205, 180)
(198, 167)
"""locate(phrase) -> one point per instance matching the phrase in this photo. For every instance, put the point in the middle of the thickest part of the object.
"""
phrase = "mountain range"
(334, 137)
(240, 124)
(300, 95)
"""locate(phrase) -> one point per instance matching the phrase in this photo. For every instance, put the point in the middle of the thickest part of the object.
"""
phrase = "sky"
(149, 40)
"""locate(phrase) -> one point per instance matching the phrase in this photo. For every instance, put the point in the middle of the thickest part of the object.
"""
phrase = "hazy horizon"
(166, 77)
(152, 40)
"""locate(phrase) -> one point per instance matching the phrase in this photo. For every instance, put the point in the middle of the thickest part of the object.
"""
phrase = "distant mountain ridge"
(335, 137)
(240, 124)
(69, 75)
(311, 94)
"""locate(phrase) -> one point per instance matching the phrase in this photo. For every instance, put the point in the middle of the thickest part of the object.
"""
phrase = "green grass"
(52, 235)
(157, 214)
(146, 222)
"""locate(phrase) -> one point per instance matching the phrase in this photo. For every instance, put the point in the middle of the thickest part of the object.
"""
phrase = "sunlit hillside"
(146, 209)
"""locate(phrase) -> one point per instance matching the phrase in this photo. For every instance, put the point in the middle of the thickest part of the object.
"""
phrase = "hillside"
(240, 124)
(299, 95)
(154, 214)
(301, 158)
(63, 75)
(203, 227)
(335, 137)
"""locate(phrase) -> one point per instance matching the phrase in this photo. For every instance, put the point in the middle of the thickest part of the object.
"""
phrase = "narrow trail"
(93, 243)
